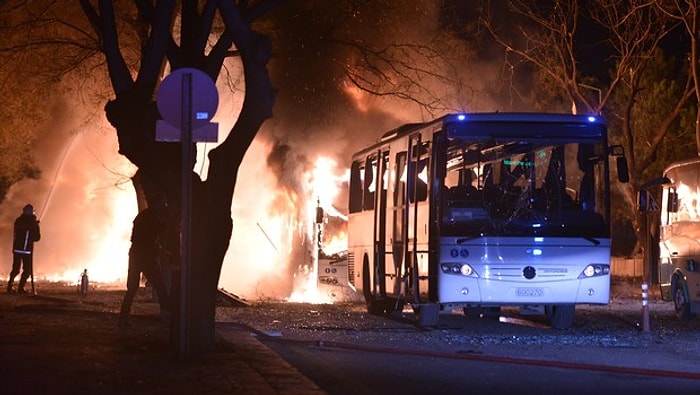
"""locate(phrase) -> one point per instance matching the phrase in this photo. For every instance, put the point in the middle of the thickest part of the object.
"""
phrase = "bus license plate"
(529, 291)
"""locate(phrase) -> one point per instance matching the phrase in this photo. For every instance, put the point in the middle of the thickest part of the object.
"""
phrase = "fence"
(627, 267)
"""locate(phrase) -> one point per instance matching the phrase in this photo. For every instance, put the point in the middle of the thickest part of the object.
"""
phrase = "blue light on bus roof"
(591, 118)
(461, 117)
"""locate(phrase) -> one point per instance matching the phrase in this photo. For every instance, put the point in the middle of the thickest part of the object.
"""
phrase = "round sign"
(204, 98)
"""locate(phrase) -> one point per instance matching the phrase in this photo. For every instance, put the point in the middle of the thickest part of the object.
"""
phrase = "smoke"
(83, 201)
(256, 264)
(86, 202)
(319, 113)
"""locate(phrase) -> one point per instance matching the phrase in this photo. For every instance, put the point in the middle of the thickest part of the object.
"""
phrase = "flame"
(86, 223)
(85, 212)
(336, 244)
(274, 248)
(323, 187)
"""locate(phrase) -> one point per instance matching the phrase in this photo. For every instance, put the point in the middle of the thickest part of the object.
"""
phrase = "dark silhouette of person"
(148, 243)
(26, 233)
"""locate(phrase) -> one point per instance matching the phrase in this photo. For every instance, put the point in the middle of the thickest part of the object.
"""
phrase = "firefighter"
(148, 242)
(25, 234)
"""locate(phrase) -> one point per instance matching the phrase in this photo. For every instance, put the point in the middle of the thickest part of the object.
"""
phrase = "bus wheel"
(560, 316)
(427, 314)
(681, 303)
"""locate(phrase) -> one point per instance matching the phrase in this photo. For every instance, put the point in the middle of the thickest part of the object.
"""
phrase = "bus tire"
(681, 302)
(561, 316)
(427, 315)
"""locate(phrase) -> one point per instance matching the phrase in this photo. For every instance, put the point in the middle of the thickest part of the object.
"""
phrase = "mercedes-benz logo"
(529, 272)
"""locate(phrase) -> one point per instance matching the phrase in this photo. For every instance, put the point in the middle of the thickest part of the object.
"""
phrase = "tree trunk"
(133, 114)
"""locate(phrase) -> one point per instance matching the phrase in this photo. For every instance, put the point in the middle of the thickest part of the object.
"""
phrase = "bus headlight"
(594, 270)
(466, 270)
(458, 268)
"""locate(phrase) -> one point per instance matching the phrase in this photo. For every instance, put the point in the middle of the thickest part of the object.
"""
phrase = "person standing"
(25, 234)
(148, 242)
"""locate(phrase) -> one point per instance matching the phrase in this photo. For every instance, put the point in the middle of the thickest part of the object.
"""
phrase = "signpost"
(187, 100)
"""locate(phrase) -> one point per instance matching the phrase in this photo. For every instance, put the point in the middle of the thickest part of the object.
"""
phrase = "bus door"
(416, 188)
(398, 231)
(380, 222)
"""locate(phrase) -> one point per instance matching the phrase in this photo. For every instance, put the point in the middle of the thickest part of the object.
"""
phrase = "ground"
(59, 342)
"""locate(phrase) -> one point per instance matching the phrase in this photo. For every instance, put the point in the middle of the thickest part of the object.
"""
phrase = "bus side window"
(417, 181)
(400, 179)
(672, 201)
(369, 185)
(669, 205)
(355, 192)
(587, 187)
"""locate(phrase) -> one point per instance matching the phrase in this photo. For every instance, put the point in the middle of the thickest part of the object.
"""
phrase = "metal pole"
(31, 274)
(646, 327)
(186, 215)
(647, 241)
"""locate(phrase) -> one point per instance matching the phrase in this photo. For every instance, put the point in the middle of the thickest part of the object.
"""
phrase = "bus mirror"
(623, 174)
(319, 214)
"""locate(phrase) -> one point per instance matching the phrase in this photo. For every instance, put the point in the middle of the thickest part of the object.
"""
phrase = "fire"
(281, 220)
(85, 206)
(336, 244)
(323, 188)
(279, 232)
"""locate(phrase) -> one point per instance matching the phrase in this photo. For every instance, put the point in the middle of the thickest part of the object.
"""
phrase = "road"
(347, 351)
(348, 371)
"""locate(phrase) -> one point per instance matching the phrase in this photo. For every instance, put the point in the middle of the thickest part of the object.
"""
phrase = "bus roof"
(504, 125)
(682, 163)
(524, 125)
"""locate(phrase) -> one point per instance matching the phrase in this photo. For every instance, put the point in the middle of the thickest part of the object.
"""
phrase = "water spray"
(64, 155)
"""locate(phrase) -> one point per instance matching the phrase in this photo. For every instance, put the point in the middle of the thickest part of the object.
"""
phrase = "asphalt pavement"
(57, 341)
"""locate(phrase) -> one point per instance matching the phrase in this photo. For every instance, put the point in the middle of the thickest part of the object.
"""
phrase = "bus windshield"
(524, 188)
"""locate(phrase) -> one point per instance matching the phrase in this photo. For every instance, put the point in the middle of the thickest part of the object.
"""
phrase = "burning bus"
(679, 237)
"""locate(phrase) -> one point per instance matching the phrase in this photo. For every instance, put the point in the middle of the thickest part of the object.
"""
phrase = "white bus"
(484, 210)
(679, 237)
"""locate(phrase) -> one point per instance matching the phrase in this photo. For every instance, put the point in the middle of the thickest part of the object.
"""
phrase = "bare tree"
(391, 50)
(687, 14)
(25, 98)
(551, 39)
(131, 43)
(133, 114)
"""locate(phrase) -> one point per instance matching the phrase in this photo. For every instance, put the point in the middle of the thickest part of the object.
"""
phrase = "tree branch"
(152, 60)
(118, 70)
